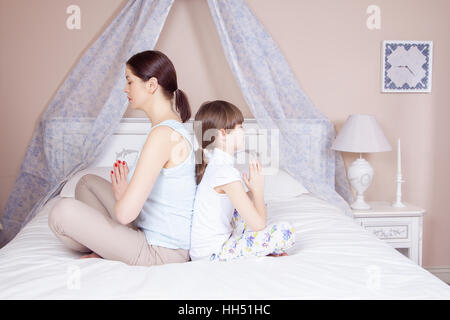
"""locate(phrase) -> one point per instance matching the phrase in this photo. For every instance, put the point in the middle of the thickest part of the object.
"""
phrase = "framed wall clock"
(406, 66)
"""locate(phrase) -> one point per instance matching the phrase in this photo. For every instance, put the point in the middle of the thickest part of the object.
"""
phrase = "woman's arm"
(250, 205)
(155, 153)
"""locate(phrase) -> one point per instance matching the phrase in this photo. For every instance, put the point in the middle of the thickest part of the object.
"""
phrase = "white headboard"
(312, 137)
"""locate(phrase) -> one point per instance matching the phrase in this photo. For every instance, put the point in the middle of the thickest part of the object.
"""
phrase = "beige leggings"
(86, 223)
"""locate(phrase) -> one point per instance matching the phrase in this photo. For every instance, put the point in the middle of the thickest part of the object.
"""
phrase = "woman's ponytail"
(182, 105)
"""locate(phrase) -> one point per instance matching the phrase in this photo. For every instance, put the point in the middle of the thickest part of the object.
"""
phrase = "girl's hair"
(218, 115)
(156, 64)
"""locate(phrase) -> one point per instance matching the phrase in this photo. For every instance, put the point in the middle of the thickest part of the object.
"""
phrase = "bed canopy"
(90, 103)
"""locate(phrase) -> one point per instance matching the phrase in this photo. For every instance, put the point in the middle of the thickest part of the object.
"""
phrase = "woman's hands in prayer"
(119, 179)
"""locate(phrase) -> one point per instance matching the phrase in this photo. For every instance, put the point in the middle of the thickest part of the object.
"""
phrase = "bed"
(333, 258)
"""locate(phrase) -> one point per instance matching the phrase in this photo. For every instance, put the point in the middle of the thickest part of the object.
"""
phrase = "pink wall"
(334, 56)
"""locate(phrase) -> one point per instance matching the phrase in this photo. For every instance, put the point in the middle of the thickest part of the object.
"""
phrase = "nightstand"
(400, 227)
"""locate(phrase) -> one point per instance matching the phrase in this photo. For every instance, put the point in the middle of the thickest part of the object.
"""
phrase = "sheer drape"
(84, 112)
(278, 102)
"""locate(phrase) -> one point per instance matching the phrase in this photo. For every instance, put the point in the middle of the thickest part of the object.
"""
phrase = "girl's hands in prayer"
(255, 181)
(119, 179)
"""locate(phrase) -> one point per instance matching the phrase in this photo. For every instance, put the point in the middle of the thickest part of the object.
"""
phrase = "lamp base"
(360, 204)
(360, 174)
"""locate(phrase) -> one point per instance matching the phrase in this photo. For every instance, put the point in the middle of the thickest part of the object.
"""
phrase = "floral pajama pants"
(275, 238)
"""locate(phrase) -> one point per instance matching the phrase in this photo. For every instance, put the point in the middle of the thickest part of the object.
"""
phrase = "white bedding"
(334, 258)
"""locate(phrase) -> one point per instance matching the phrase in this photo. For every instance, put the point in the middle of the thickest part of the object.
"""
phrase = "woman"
(141, 217)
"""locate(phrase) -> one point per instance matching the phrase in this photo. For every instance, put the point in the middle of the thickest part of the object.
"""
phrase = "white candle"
(399, 159)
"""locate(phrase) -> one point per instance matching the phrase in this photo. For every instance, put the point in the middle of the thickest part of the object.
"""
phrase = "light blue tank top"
(166, 215)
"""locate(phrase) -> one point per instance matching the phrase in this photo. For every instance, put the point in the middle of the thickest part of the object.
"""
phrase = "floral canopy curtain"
(90, 103)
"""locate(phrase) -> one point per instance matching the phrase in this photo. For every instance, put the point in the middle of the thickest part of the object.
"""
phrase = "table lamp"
(361, 133)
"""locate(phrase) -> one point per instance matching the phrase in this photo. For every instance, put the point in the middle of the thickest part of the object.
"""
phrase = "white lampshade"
(361, 133)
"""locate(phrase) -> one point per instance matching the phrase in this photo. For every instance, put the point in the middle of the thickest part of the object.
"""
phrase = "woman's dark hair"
(156, 64)
(217, 115)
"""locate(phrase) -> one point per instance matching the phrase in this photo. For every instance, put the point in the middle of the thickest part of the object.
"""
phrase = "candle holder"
(398, 199)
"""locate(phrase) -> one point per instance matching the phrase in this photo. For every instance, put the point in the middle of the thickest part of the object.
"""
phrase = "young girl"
(229, 219)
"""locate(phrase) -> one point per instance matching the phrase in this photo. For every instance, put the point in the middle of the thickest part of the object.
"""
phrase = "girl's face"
(138, 91)
(236, 138)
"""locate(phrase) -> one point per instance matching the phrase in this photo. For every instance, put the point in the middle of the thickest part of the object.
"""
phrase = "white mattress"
(334, 258)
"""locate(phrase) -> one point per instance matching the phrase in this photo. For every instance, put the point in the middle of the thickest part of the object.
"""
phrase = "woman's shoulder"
(171, 123)
(170, 131)
(158, 141)
(161, 134)
(167, 132)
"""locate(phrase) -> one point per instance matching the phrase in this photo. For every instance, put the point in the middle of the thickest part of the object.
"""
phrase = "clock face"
(406, 66)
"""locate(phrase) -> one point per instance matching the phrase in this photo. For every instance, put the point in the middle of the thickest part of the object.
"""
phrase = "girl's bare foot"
(278, 254)
(91, 255)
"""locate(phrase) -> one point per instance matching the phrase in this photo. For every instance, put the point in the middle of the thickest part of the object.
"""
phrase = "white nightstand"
(400, 227)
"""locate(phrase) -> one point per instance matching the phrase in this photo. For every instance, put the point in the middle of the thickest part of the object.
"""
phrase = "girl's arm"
(252, 209)
(154, 155)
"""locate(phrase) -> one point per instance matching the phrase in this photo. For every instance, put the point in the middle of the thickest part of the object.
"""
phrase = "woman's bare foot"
(278, 254)
(91, 255)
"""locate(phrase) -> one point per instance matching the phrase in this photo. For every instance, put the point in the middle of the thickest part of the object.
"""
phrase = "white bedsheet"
(334, 258)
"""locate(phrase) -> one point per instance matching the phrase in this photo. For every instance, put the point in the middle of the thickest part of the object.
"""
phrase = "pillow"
(68, 190)
(278, 186)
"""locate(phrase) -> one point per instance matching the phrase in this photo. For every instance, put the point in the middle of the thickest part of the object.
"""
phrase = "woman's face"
(137, 90)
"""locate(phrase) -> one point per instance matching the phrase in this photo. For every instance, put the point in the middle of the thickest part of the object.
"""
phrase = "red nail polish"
(112, 172)
(123, 162)
(119, 161)
(115, 164)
